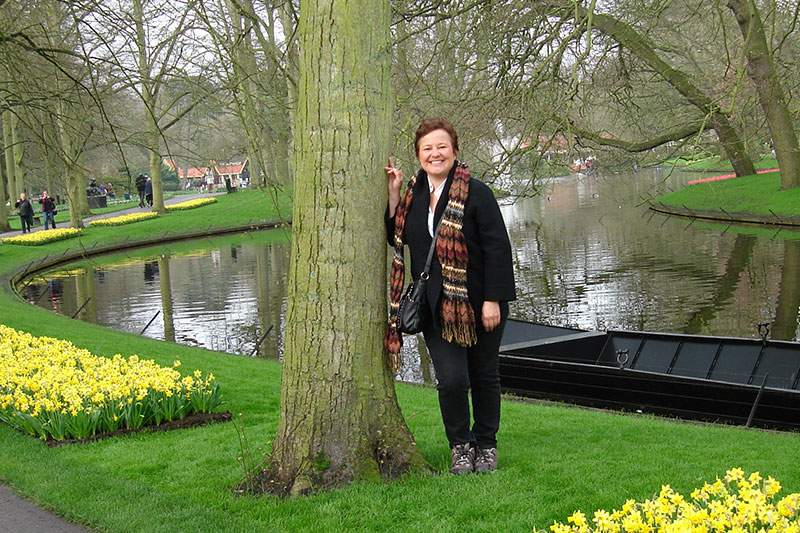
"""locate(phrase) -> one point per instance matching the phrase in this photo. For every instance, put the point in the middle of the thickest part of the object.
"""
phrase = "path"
(173, 200)
(21, 516)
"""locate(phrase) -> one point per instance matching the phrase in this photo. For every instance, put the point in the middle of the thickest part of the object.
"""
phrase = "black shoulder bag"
(414, 310)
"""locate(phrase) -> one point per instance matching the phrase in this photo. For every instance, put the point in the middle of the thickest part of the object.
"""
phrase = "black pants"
(141, 197)
(27, 222)
(460, 369)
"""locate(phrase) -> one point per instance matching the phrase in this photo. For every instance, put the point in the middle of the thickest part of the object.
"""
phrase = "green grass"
(750, 194)
(554, 459)
(714, 163)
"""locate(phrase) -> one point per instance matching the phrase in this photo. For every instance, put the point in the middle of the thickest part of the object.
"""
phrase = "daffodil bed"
(739, 503)
(51, 389)
(124, 219)
(42, 237)
(191, 204)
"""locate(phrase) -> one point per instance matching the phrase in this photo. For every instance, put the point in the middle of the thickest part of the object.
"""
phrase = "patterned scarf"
(456, 315)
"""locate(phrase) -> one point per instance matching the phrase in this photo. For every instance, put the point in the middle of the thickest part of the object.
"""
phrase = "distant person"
(148, 191)
(110, 190)
(141, 182)
(49, 210)
(25, 210)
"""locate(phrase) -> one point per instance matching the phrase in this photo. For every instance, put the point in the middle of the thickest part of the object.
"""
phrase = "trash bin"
(127, 196)
(96, 202)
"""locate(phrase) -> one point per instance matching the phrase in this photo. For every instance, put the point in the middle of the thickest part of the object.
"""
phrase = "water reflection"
(587, 254)
(200, 297)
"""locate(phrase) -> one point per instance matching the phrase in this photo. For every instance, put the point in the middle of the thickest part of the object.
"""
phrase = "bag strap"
(425, 273)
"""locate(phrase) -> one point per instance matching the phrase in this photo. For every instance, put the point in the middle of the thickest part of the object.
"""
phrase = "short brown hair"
(432, 124)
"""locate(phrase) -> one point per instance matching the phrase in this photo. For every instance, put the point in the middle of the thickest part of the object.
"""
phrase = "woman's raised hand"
(394, 180)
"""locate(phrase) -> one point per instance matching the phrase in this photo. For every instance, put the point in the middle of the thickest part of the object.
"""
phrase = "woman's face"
(436, 154)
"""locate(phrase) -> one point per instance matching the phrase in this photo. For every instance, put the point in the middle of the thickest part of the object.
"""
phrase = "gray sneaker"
(462, 459)
(486, 460)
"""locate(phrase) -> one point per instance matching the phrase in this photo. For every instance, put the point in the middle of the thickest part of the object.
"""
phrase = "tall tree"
(641, 46)
(340, 420)
(761, 69)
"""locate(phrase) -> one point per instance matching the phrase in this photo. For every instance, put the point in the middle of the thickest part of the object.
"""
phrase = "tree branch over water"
(642, 146)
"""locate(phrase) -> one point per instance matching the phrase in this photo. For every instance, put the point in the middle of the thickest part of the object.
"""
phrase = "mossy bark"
(340, 420)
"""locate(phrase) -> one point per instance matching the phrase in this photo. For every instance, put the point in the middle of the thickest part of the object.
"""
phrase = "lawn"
(553, 458)
(715, 163)
(756, 194)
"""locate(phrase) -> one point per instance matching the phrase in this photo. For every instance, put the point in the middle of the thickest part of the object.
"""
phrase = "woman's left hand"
(490, 315)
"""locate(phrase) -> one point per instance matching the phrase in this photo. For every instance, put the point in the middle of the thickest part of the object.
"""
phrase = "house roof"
(232, 168)
(200, 172)
(193, 172)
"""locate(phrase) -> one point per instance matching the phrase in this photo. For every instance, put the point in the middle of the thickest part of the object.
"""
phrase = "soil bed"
(197, 419)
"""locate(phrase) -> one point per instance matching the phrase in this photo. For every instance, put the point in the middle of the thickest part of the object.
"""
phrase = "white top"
(431, 212)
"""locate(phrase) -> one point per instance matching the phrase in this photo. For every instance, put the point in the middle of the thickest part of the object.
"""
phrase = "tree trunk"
(8, 144)
(155, 169)
(149, 99)
(20, 171)
(4, 226)
(340, 420)
(75, 192)
(761, 70)
(5, 195)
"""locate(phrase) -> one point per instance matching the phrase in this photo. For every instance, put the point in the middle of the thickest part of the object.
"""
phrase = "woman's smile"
(436, 154)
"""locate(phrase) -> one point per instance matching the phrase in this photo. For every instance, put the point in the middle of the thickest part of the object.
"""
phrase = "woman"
(25, 210)
(49, 210)
(471, 282)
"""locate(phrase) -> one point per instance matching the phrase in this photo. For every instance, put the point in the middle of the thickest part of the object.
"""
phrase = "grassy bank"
(715, 163)
(554, 459)
(749, 194)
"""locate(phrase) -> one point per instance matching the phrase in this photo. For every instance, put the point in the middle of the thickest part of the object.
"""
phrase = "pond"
(587, 253)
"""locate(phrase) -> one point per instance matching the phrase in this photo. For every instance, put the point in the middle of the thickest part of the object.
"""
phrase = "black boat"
(718, 379)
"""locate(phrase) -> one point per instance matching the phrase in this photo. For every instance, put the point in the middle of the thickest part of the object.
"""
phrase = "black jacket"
(24, 207)
(490, 271)
(47, 204)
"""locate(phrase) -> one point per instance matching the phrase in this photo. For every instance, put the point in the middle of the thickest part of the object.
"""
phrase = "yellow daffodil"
(124, 219)
(191, 204)
(739, 503)
(42, 237)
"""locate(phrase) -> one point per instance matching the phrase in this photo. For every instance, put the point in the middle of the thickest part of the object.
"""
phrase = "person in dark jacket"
(49, 210)
(471, 282)
(148, 191)
(141, 181)
(25, 210)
